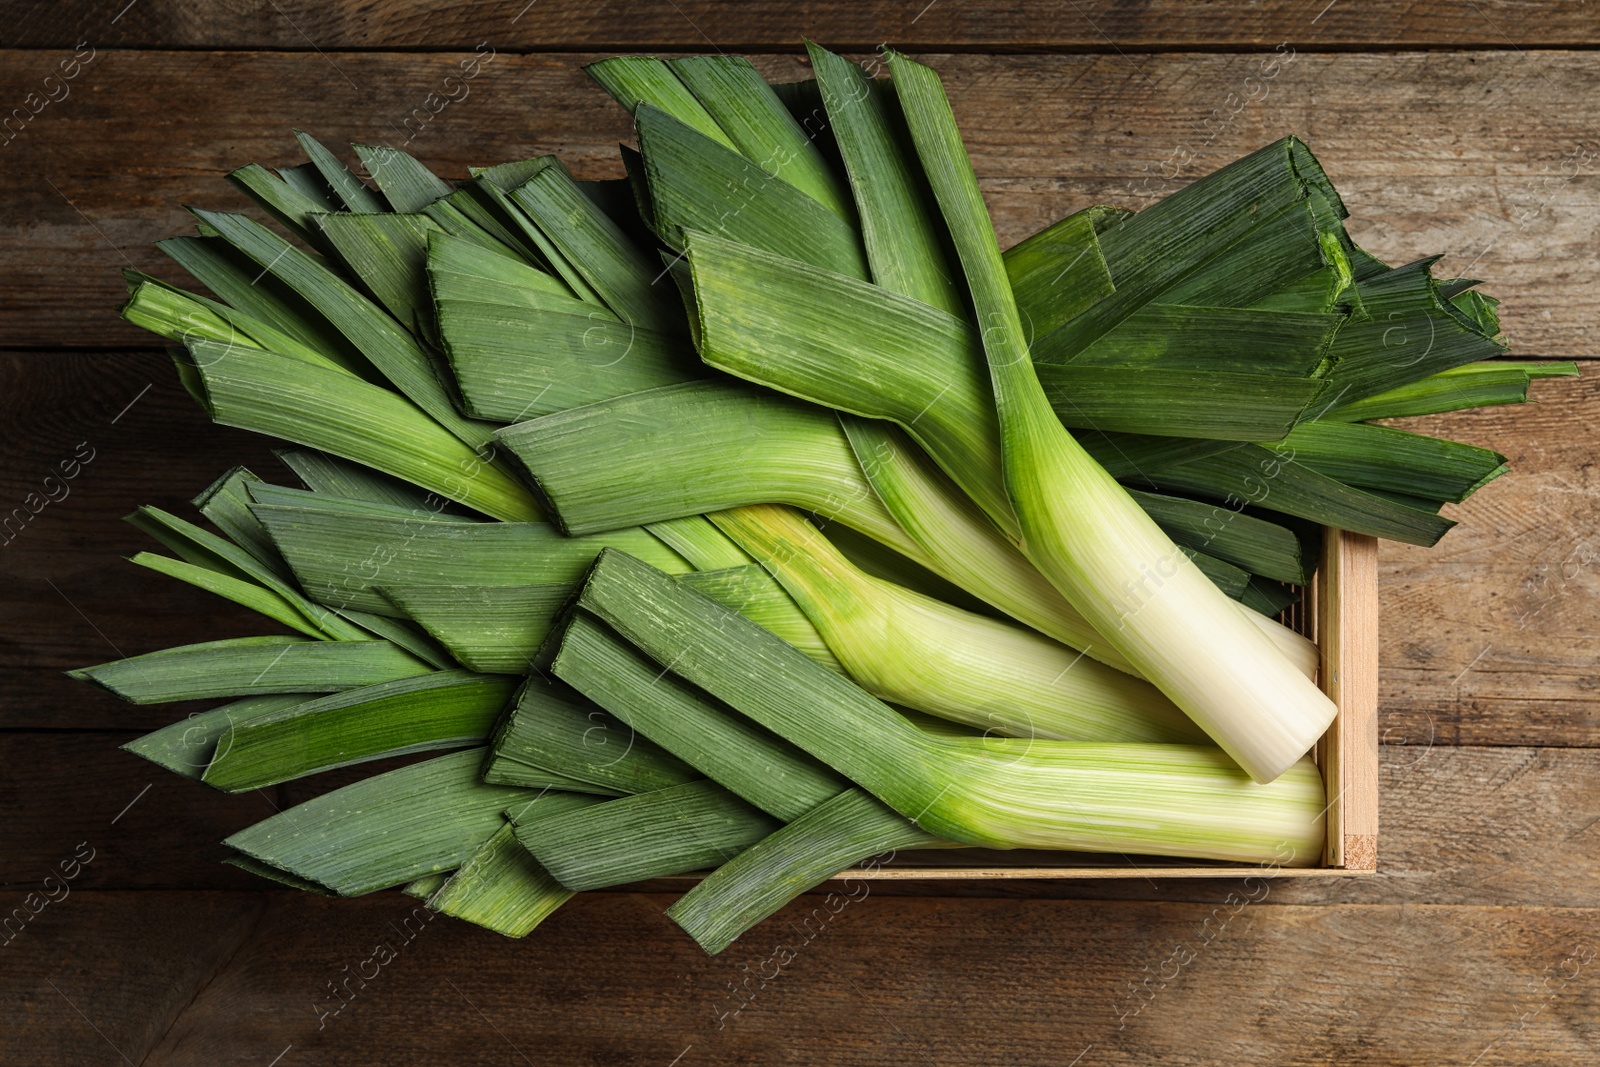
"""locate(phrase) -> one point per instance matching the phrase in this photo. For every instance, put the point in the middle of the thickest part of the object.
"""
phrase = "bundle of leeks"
(755, 512)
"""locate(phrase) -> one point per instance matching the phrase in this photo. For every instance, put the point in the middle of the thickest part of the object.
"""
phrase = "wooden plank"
(1347, 629)
(147, 827)
(610, 980)
(98, 979)
(1461, 826)
(1488, 157)
(129, 435)
(1491, 637)
(64, 790)
(709, 25)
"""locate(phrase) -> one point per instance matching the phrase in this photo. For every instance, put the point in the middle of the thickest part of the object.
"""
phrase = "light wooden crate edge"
(1340, 612)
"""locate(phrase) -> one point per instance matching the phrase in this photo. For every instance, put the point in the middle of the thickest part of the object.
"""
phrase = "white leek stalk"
(1083, 531)
(913, 650)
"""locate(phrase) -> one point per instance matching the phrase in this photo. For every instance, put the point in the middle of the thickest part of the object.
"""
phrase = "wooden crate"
(1340, 613)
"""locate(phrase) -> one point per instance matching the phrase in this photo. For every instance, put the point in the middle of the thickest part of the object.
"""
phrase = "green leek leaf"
(387, 252)
(1150, 253)
(387, 829)
(346, 186)
(251, 666)
(501, 888)
(1379, 457)
(1471, 386)
(1179, 403)
(670, 831)
(309, 183)
(756, 595)
(745, 107)
(343, 556)
(493, 628)
(264, 298)
(1271, 478)
(635, 80)
(1286, 344)
(1060, 272)
(273, 394)
(287, 203)
(271, 593)
(690, 176)
(332, 476)
(697, 540)
(1408, 334)
(739, 754)
(382, 340)
(616, 269)
(516, 363)
(443, 709)
(226, 503)
(187, 746)
(244, 593)
(691, 449)
(798, 856)
(556, 729)
(850, 345)
(1258, 546)
(406, 183)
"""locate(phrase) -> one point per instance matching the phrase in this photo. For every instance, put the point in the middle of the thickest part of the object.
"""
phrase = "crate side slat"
(1348, 606)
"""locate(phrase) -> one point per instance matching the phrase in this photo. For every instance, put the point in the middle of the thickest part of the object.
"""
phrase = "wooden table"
(1463, 128)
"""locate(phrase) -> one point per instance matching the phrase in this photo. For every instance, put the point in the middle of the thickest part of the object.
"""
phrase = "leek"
(385, 830)
(251, 666)
(894, 359)
(681, 828)
(552, 728)
(443, 709)
(909, 649)
(1023, 793)
(826, 840)
(1086, 534)
(500, 887)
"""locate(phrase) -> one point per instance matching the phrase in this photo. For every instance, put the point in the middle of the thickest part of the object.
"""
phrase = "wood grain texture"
(610, 980)
(71, 599)
(65, 789)
(150, 828)
(98, 979)
(1497, 624)
(1490, 157)
(732, 25)
(1347, 631)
